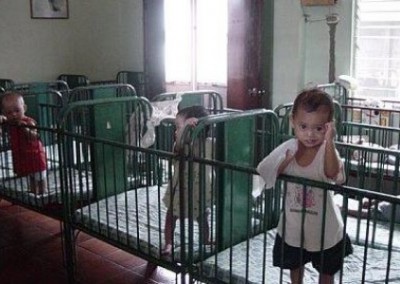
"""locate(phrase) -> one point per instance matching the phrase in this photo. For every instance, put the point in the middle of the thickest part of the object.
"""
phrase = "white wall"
(100, 38)
(301, 49)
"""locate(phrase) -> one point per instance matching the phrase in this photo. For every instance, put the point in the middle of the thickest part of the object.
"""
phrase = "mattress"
(388, 169)
(17, 188)
(378, 231)
(136, 219)
(251, 262)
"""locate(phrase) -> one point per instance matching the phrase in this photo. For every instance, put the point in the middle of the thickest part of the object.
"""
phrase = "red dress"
(28, 154)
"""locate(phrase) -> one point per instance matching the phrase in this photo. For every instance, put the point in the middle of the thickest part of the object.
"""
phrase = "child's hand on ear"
(330, 132)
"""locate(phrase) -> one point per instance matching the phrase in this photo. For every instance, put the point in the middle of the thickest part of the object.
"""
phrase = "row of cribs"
(113, 189)
(48, 108)
(227, 146)
(66, 82)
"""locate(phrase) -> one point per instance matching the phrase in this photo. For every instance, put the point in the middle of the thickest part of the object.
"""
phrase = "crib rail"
(7, 84)
(229, 132)
(45, 107)
(74, 80)
(121, 119)
(211, 100)
(42, 87)
(371, 168)
(135, 78)
(17, 187)
(100, 91)
(380, 116)
(373, 241)
(131, 215)
(337, 91)
(373, 135)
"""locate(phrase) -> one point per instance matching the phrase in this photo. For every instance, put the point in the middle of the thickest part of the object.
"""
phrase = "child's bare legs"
(42, 186)
(326, 279)
(37, 186)
(170, 221)
(205, 229)
(296, 275)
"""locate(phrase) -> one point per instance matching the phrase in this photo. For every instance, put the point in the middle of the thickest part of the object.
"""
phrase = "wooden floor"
(31, 252)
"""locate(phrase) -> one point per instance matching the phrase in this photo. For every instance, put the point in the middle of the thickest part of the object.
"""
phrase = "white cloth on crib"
(268, 167)
(160, 110)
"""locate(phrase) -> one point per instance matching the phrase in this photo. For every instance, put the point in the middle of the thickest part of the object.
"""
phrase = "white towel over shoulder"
(268, 167)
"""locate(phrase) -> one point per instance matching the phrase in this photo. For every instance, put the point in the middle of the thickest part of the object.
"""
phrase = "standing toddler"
(311, 154)
(28, 154)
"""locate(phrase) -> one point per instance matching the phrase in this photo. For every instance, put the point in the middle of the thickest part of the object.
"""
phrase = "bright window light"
(196, 41)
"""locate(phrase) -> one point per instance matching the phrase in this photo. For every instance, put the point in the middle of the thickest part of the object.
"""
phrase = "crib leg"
(150, 268)
(69, 245)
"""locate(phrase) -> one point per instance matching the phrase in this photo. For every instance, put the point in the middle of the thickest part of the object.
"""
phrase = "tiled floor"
(31, 252)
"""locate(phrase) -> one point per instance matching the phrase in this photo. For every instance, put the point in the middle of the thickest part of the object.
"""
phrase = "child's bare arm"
(289, 157)
(331, 163)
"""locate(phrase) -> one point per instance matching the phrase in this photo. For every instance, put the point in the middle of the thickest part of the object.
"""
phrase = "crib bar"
(337, 91)
(131, 215)
(125, 214)
(251, 260)
(383, 116)
(100, 91)
(371, 168)
(45, 107)
(7, 84)
(211, 100)
(134, 78)
(229, 132)
(74, 80)
(109, 119)
(372, 135)
(18, 189)
(43, 87)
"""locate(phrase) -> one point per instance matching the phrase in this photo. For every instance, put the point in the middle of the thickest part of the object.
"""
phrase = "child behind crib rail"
(311, 154)
(28, 154)
(186, 117)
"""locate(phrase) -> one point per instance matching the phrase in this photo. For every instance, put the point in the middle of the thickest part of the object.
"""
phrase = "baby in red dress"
(28, 154)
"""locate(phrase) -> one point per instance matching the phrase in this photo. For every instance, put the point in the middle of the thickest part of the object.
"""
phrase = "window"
(377, 49)
(196, 42)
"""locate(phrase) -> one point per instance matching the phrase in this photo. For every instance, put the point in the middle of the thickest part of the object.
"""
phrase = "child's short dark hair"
(311, 99)
(196, 111)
